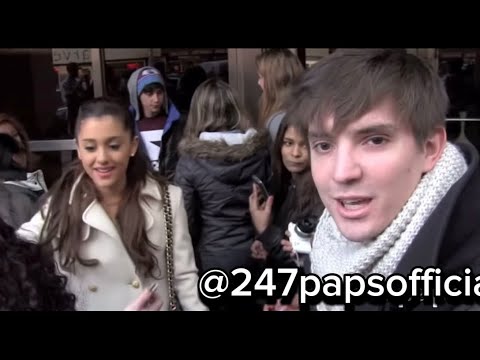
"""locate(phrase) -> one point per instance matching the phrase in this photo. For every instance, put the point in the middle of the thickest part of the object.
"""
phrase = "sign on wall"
(65, 56)
(82, 56)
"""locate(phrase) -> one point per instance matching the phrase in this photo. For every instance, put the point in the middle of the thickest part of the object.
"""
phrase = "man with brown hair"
(398, 196)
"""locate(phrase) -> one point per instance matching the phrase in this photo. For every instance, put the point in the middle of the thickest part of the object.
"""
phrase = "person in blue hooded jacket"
(159, 122)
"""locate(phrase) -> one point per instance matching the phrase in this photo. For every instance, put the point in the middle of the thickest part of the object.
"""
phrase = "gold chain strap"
(167, 210)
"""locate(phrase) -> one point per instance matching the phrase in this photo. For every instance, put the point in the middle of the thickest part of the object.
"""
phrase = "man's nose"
(346, 167)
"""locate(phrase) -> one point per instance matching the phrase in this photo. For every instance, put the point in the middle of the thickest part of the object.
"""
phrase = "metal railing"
(464, 119)
(65, 146)
(52, 145)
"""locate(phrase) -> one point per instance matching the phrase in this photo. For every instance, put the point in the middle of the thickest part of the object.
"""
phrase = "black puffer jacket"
(216, 179)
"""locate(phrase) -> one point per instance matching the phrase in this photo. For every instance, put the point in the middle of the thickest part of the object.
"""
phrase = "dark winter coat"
(216, 179)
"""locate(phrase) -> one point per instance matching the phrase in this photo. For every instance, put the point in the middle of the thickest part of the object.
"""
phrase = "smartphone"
(264, 194)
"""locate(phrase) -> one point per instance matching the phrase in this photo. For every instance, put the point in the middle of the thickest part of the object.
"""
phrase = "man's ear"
(434, 146)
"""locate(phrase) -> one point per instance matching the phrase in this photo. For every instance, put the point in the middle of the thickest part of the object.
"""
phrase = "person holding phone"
(294, 198)
(219, 154)
(264, 194)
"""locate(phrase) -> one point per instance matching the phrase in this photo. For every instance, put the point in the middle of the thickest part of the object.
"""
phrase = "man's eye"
(377, 140)
(323, 146)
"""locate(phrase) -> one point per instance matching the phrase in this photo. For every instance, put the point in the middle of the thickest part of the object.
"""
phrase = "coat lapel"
(151, 194)
(95, 216)
(147, 213)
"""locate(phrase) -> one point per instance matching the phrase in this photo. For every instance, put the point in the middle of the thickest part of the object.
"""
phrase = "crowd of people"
(355, 147)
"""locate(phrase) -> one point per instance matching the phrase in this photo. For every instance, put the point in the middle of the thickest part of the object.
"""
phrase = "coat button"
(136, 284)
(92, 288)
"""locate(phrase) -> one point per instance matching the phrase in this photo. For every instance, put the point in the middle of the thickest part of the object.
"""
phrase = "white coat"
(113, 283)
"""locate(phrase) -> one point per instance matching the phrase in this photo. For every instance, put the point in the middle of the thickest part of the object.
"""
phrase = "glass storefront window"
(460, 71)
(185, 69)
(32, 81)
(31, 91)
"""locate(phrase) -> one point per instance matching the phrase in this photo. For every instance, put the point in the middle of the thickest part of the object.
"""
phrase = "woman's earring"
(132, 155)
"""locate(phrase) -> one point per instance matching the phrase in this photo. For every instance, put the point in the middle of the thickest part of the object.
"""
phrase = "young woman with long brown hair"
(104, 219)
(277, 70)
(294, 200)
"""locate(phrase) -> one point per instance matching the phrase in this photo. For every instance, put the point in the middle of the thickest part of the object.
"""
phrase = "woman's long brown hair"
(63, 221)
(279, 68)
(215, 107)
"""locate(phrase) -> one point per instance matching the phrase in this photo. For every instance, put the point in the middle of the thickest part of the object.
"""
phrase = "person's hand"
(147, 301)
(258, 251)
(293, 306)
(278, 306)
(287, 246)
(260, 212)
(269, 307)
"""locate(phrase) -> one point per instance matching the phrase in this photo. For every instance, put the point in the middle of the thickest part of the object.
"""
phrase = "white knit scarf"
(333, 253)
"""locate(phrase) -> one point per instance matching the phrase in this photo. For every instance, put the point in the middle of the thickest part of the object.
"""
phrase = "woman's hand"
(258, 251)
(287, 246)
(260, 213)
(293, 306)
(147, 301)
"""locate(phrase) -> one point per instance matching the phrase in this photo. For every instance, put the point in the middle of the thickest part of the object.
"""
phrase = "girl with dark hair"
(295, 199)
(104, 219)
(28, 279)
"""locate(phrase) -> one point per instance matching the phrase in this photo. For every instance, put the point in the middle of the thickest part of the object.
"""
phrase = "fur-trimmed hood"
(226, 158)
(230, 147)
(216, 178)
